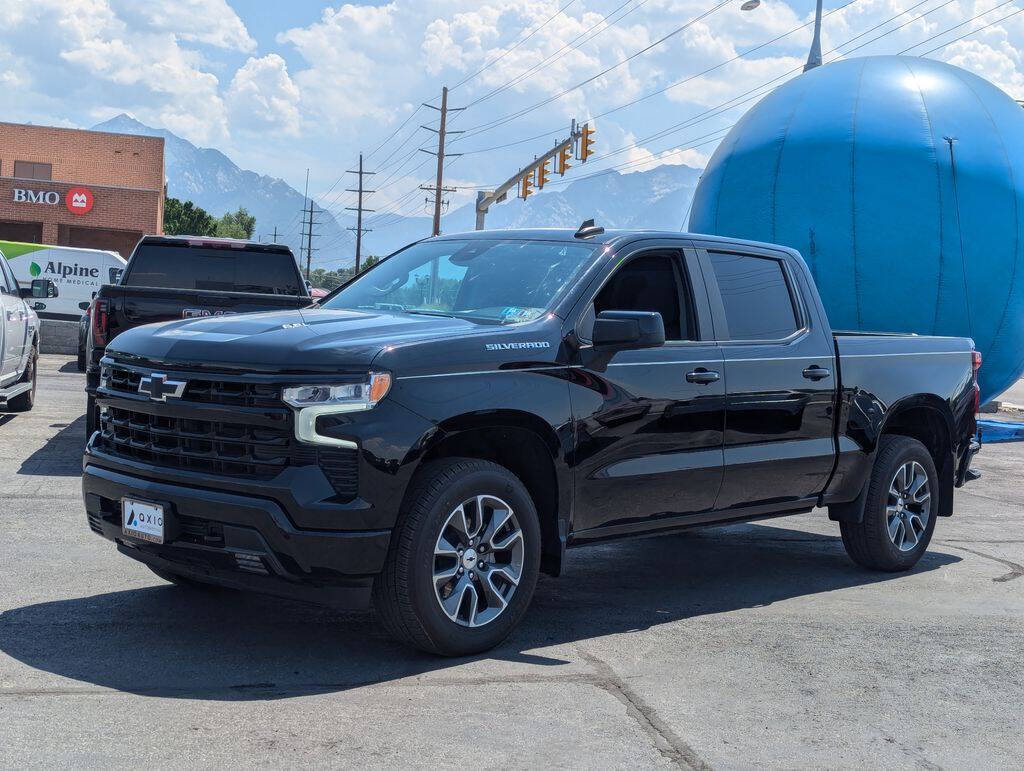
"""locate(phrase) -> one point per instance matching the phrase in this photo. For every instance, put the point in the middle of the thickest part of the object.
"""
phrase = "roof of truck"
(607, 236)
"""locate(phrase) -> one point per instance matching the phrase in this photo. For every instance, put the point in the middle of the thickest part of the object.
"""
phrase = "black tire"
(404, 594)
(81, 360)
(26, 401)
(179, 580)
(92, 416)
(868, 542)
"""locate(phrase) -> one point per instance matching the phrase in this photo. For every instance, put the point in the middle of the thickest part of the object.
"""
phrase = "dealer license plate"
(142, 520)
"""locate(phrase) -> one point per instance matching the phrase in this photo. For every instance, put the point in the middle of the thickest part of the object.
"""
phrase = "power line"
(561, 52)
(972, 32)
(947, 31)
(519, 113)
(514, 47)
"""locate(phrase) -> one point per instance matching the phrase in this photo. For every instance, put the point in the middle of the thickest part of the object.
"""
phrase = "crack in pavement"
(666, 741)
(1016, 571)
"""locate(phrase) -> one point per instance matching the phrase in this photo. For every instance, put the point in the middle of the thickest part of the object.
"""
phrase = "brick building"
(69, 187)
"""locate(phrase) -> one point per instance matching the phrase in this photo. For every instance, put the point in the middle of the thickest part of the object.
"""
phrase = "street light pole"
(814, 57)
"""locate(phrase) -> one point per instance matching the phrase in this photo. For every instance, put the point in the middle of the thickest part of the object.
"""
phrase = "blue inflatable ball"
(901, 181)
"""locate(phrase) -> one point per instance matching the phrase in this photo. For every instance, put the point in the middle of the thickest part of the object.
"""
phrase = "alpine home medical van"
(78, 273)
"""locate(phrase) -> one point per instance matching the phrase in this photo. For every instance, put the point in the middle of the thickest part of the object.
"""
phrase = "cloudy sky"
(282, 86)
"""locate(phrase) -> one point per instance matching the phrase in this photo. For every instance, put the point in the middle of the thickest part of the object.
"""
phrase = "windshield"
(492, 281)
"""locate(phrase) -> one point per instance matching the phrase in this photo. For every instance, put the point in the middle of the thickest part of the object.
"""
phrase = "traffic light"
(526, 186)
(563, 160)
(586, 143)
(542, 174)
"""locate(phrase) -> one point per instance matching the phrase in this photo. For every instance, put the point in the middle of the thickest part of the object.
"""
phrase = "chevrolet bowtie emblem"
(157, 387)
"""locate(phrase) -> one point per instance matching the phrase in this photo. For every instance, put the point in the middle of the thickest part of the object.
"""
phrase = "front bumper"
(238, 541)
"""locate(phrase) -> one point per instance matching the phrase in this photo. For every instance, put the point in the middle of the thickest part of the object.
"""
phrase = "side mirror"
(84, 306)
(629, 329)
(41, 288)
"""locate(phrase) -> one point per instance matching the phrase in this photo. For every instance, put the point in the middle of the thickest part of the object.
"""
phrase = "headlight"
(349, 397)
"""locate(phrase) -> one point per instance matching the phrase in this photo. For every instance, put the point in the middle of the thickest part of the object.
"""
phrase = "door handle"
(702, 376)
(814, 372)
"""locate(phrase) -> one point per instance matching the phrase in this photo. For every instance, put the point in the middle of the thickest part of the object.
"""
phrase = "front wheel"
(463, 561)
(900, 510)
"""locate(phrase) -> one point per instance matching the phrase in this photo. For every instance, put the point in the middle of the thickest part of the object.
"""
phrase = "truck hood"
(284, 341)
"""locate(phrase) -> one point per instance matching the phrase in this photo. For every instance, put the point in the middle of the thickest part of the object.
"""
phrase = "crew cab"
(436, 432)
(176, 277)
(19, 338)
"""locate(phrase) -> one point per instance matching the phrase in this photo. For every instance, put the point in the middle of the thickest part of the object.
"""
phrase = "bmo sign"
(77, 200)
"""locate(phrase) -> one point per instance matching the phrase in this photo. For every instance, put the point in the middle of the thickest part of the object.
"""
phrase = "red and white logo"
(79, 200)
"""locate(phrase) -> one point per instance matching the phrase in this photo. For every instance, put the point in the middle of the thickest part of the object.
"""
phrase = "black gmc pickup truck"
(441, 428)
(174, 277)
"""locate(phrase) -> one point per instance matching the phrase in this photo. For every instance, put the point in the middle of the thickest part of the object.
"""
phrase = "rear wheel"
(899, 514)
(463, 560)
(24, 402)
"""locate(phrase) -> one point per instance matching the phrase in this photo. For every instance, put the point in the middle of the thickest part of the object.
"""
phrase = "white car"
(19, 338)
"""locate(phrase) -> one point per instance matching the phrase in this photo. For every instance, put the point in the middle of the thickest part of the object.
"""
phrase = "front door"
(649, 423)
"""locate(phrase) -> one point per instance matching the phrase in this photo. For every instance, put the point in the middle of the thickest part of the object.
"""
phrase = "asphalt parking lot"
(749, 645)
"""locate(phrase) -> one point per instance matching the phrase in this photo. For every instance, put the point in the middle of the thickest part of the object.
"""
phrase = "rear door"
(780, 378)
(648, 423)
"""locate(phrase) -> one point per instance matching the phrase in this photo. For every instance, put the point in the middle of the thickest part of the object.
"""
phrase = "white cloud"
(263, 96)
(212, 22)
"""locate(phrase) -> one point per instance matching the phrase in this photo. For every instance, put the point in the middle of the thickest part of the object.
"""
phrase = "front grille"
(217, 447)
(212, 447)
(204, 389)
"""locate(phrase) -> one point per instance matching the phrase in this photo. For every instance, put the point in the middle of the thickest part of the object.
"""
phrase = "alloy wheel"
(478, 560)
(908, 506)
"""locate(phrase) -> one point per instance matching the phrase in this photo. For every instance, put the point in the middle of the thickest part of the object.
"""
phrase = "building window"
(33, 170)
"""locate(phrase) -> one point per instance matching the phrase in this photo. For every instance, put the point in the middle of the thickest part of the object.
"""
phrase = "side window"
(8, 284)
(650, 282)
(756, 296)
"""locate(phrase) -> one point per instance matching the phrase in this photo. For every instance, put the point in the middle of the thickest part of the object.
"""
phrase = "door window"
(650, 282)
(755, 294)
(8, 284)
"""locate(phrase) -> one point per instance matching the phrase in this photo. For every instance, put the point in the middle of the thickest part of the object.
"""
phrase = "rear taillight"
(99, 316)
(975, 366)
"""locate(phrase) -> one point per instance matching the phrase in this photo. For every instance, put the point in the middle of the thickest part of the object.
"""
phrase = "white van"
(78, 273)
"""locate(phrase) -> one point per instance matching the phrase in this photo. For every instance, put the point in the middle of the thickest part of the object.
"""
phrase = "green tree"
(369, 262)
(238, 224)
(187, 219)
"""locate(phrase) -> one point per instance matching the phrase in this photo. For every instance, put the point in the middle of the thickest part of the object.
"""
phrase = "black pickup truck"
(175, 277)
(436, 432)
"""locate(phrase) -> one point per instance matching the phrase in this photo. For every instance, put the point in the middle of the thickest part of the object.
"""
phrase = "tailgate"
(145, 305)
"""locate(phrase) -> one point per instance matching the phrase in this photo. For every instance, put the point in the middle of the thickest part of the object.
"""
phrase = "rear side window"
(756, 296)
(219, 270)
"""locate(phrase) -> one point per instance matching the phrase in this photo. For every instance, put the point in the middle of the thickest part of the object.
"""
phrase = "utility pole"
(308, 232)
(358, 209)
(275, 234)
(560, 153)
(442, 131)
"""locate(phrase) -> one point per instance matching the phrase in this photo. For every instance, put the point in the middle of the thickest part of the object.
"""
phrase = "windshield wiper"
(431, 313)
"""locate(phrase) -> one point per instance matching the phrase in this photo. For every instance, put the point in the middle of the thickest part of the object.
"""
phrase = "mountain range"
(655, 199)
